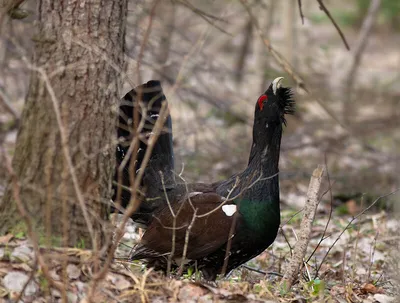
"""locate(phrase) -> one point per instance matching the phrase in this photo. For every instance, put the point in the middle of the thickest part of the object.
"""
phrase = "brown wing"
(208, 232)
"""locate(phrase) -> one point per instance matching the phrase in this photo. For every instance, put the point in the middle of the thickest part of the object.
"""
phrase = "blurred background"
(213, 66)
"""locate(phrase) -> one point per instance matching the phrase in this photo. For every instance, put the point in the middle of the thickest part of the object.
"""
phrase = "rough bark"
(64, 154)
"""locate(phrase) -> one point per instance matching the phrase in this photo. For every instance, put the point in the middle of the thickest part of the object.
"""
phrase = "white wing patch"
(229, 210)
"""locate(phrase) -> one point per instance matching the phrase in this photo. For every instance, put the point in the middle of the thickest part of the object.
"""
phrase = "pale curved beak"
(276, 84)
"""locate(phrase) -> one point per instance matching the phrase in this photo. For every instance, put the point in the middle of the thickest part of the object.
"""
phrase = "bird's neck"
(264, 154)
(259, 203)
(259, 182)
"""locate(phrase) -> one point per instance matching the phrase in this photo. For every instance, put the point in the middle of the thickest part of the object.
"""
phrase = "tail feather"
(151, 98)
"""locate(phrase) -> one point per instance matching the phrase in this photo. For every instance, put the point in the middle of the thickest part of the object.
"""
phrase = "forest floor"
(356, 262)
(348, 260)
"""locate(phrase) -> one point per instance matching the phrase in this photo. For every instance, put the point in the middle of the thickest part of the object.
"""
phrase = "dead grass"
(361, 267)
(212, 127)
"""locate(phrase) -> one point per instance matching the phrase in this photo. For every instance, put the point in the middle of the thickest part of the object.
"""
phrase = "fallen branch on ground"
(292, 271)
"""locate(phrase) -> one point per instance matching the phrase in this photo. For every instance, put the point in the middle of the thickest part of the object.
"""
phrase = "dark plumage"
(149, 97)
(242, 212)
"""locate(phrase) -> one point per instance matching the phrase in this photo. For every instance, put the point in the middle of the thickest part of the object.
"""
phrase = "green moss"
(19, 230)
(55, 241)
(81, 244)
(43, 282)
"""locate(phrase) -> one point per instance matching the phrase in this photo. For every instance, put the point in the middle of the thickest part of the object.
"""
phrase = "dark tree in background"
(64, 156)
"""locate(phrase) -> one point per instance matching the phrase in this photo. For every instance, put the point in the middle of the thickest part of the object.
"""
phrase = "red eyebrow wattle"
(261, 100)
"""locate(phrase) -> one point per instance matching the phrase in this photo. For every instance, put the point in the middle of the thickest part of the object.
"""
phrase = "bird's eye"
(261, 100)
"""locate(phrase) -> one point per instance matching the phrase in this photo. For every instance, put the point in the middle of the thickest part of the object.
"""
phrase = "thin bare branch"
(205, 16)
(6, 103)
(300, 11)
(326, 11)
(29, 225)
(358, 51)
(185, 247)
(133, 203)
(65, 148)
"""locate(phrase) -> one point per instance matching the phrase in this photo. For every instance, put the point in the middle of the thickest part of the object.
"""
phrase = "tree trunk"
(64, 155)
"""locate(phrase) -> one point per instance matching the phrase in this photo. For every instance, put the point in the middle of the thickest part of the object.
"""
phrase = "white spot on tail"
(229, 210)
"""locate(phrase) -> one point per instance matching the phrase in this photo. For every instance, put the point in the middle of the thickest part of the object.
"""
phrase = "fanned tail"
(151, 98)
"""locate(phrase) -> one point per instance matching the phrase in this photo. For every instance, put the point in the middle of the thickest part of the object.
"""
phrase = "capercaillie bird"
(221, 225)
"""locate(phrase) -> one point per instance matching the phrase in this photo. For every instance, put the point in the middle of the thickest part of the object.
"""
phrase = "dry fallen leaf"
(122, 283)
(352, 207)
(6, 238)
(118, 281)
(384, 298)
(73, 271)
(191, 293)
(369, 288)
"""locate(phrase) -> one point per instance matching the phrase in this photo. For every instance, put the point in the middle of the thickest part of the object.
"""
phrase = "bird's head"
(272, 106)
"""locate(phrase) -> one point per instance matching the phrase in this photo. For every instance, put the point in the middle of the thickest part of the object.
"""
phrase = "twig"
(67, 155)
(29, 225)
(300, 248)
(372, 254)
(133, 203)
(199, 11)
(291, 217)
(284, 63)
(267, 23)
(171, 254)
(145, 39)
(131, 155)
(7, 8)
(357, 227)
(229, 243)
(64, 146)
(296, 77)
(244, 51)
(358, 51)
(300, 11)
(287, 241)
(330, 213)
(343, 269)
(31, 276)
(5, 101)
(326, 11)
(185, 247)
(205, 16)
(259, 271)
